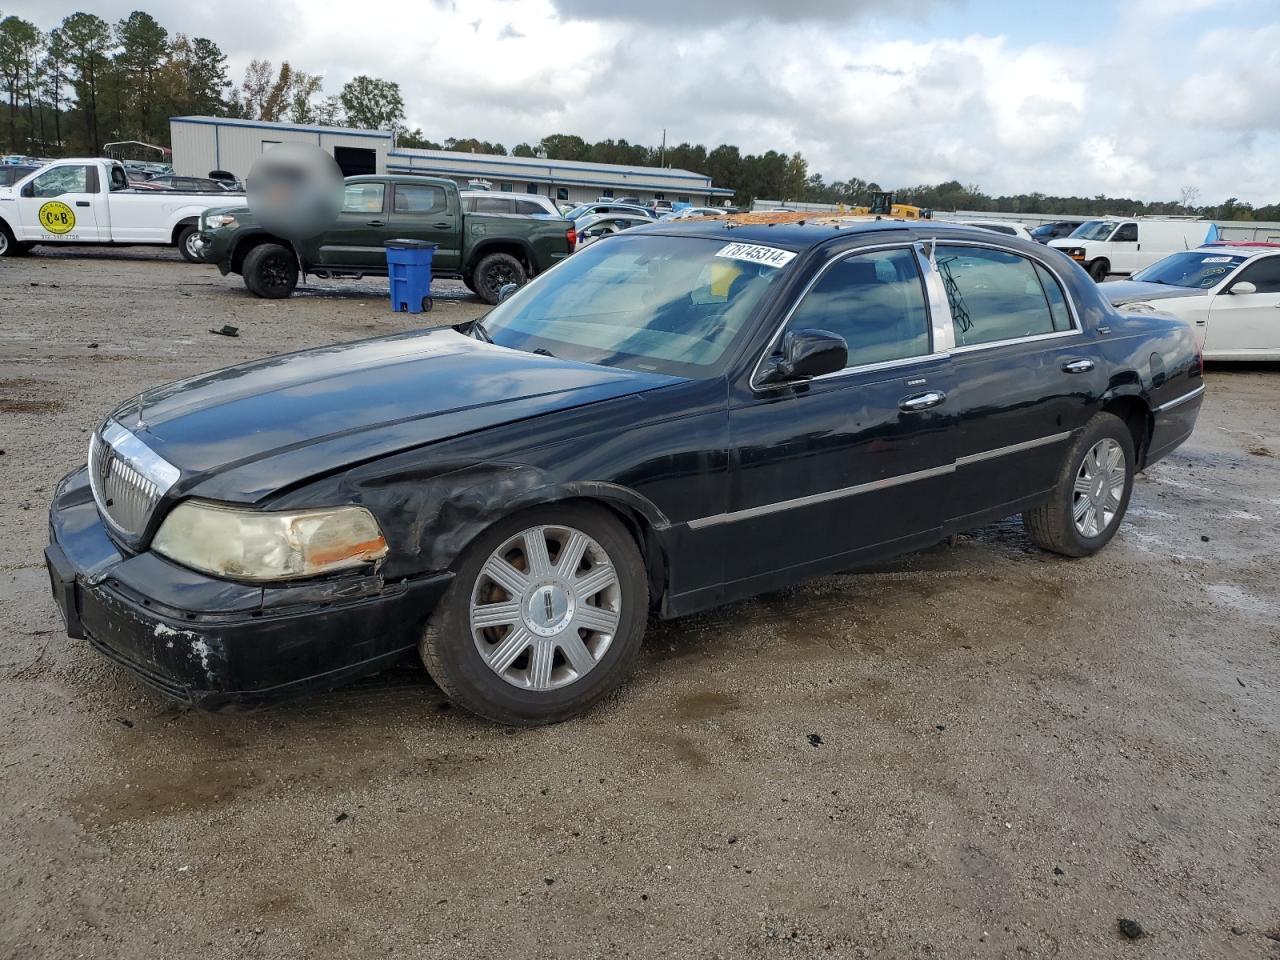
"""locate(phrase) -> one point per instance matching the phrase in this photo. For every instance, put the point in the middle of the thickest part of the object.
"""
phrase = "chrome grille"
(127, 479)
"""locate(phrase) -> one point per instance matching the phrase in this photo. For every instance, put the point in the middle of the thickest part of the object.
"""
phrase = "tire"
(185, 238)
(493, 272)
(1099, 269)
(1081, 487)
(8, 246)
(469, 282)
(508, 673)
(271, 271)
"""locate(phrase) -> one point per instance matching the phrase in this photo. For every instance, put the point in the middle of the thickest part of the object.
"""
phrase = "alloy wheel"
(4, 243)
(275, 272)
(1099, 488)
(545, 607)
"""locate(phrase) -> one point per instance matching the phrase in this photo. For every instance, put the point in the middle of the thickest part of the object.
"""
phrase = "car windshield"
(1197, 269)
(661, 304)
(1094, 230)
(578, 211)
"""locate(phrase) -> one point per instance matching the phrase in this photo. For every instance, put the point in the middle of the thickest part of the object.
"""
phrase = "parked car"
(11, 173)
(1010, 228)
(89, 201)
(171, 181)
(685, 213)
(610, 206)
(520, 204)
(676, 417)
(1104, 247)
(593, 228)
(1052, 231)
(485, 251)
(1228, 292)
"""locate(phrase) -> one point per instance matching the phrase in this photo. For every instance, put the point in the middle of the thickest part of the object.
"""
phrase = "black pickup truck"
(485, 251)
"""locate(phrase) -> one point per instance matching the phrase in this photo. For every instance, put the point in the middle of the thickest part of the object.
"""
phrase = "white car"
(517, 204)
(1008, 227)
(1228, 292)
(685, 213)
(593, 228)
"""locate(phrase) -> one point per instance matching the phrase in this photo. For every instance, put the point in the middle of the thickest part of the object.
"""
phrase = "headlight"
(1075, 253)
(1138, 307)
(220, 220)
(253, 545)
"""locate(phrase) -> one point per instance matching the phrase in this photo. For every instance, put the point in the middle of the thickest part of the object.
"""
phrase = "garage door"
(355, 161)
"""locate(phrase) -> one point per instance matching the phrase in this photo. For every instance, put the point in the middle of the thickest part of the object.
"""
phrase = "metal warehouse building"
(572, 180)
(202, 144)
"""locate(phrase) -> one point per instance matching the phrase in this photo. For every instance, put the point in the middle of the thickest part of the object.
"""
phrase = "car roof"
(801, 231)
(1246, 248)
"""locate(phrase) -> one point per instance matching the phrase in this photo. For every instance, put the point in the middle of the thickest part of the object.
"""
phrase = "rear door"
(856, 462)
(62, 204)
(1244, 322)
(427, 211)
(355, 239)
(1026, 377)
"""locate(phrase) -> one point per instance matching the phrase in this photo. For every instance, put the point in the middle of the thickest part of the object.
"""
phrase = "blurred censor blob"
(295, 190)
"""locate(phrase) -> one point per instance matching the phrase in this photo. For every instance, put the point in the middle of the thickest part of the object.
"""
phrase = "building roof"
(538, 163)
(280, 125)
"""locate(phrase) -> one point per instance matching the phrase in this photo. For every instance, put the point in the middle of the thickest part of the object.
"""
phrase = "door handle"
(83, 203)
(374, 223)
(1077, 366)
(922, 401)
(442, 226)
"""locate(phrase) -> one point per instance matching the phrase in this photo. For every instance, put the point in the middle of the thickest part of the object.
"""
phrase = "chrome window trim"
(759, 388)
(1056, 335)
(1178, 401)
(1012, 448)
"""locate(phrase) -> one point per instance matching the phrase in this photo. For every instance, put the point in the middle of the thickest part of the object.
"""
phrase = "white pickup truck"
(89, 201)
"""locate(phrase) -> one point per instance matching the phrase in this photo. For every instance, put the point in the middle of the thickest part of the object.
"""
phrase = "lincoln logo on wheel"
(57, 217)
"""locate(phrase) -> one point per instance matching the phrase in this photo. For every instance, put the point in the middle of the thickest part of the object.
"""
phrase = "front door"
(1244, 322)
(426, 211)
(1025, 378)
(61, 205)
(1126, 250)
(355, 239)
(853, 464)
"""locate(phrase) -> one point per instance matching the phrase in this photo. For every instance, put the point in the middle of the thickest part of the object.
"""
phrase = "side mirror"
(1242, 287)
(506, 290)
(806, 354)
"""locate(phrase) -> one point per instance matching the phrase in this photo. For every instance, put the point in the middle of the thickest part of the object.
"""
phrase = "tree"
(55, 79)
(523, 150)
(1189, 197)
(88, 45)
(414, 140)
(372, 104)
(302, 93)
(20, 42)
(254, 89)
(565, 146)
(144, 48)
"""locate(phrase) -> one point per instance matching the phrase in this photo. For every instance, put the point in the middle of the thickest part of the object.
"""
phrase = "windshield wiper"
(480, 333)
(543, 352)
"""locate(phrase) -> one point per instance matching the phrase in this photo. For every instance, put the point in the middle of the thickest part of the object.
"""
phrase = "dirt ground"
(976, 751)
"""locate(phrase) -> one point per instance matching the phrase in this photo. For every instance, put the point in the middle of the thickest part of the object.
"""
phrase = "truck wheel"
(187, 237)
(10, 247)
(544, 618)
(1099, 270)
(494, 272)
(469, 281)
(271, 271)
(1091, 493)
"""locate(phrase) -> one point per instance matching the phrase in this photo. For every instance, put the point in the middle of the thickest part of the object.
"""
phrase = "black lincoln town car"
(673, 418)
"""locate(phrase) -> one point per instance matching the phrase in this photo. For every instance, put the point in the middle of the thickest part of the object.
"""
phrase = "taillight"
(572, 236)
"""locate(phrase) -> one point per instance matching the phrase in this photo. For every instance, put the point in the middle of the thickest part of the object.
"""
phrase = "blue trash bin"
(409, 272)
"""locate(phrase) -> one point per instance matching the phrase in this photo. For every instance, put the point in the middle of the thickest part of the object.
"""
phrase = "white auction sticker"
(752, 253)
(1216, 260)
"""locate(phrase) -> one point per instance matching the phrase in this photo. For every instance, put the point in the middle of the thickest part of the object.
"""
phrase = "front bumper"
(213, 643)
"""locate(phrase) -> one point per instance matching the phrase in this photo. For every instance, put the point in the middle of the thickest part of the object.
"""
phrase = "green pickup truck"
(485, 251)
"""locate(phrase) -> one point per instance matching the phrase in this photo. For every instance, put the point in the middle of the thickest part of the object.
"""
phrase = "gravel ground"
(976, 751)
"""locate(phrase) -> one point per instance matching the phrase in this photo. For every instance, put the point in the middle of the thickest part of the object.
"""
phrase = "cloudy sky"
(1137, 98)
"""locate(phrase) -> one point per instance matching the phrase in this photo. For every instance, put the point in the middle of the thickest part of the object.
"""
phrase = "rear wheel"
(186, 244)
(1099, 270)
(1091, 494)
(271, 271)
(543, 619)
(494, 272)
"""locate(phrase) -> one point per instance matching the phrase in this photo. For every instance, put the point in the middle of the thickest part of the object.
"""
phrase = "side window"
(1263, 274)
(493, 205)
(419, 198)
(1057, 301)
(875, 301)
(994, 295)
(364, 198)
(1127, 231)
(119, 179)
(529, 208)
(562, 193)
(60, 180)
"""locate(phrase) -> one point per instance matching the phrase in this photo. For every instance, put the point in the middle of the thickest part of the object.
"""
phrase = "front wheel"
(10, 247)
(1099, 270)
(271, 271)
(543, 619)
(494, 272)
(188, 238)
(1091, 494)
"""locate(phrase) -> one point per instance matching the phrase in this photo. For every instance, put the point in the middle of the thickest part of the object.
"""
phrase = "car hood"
(323, 409)
(1132, 291)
